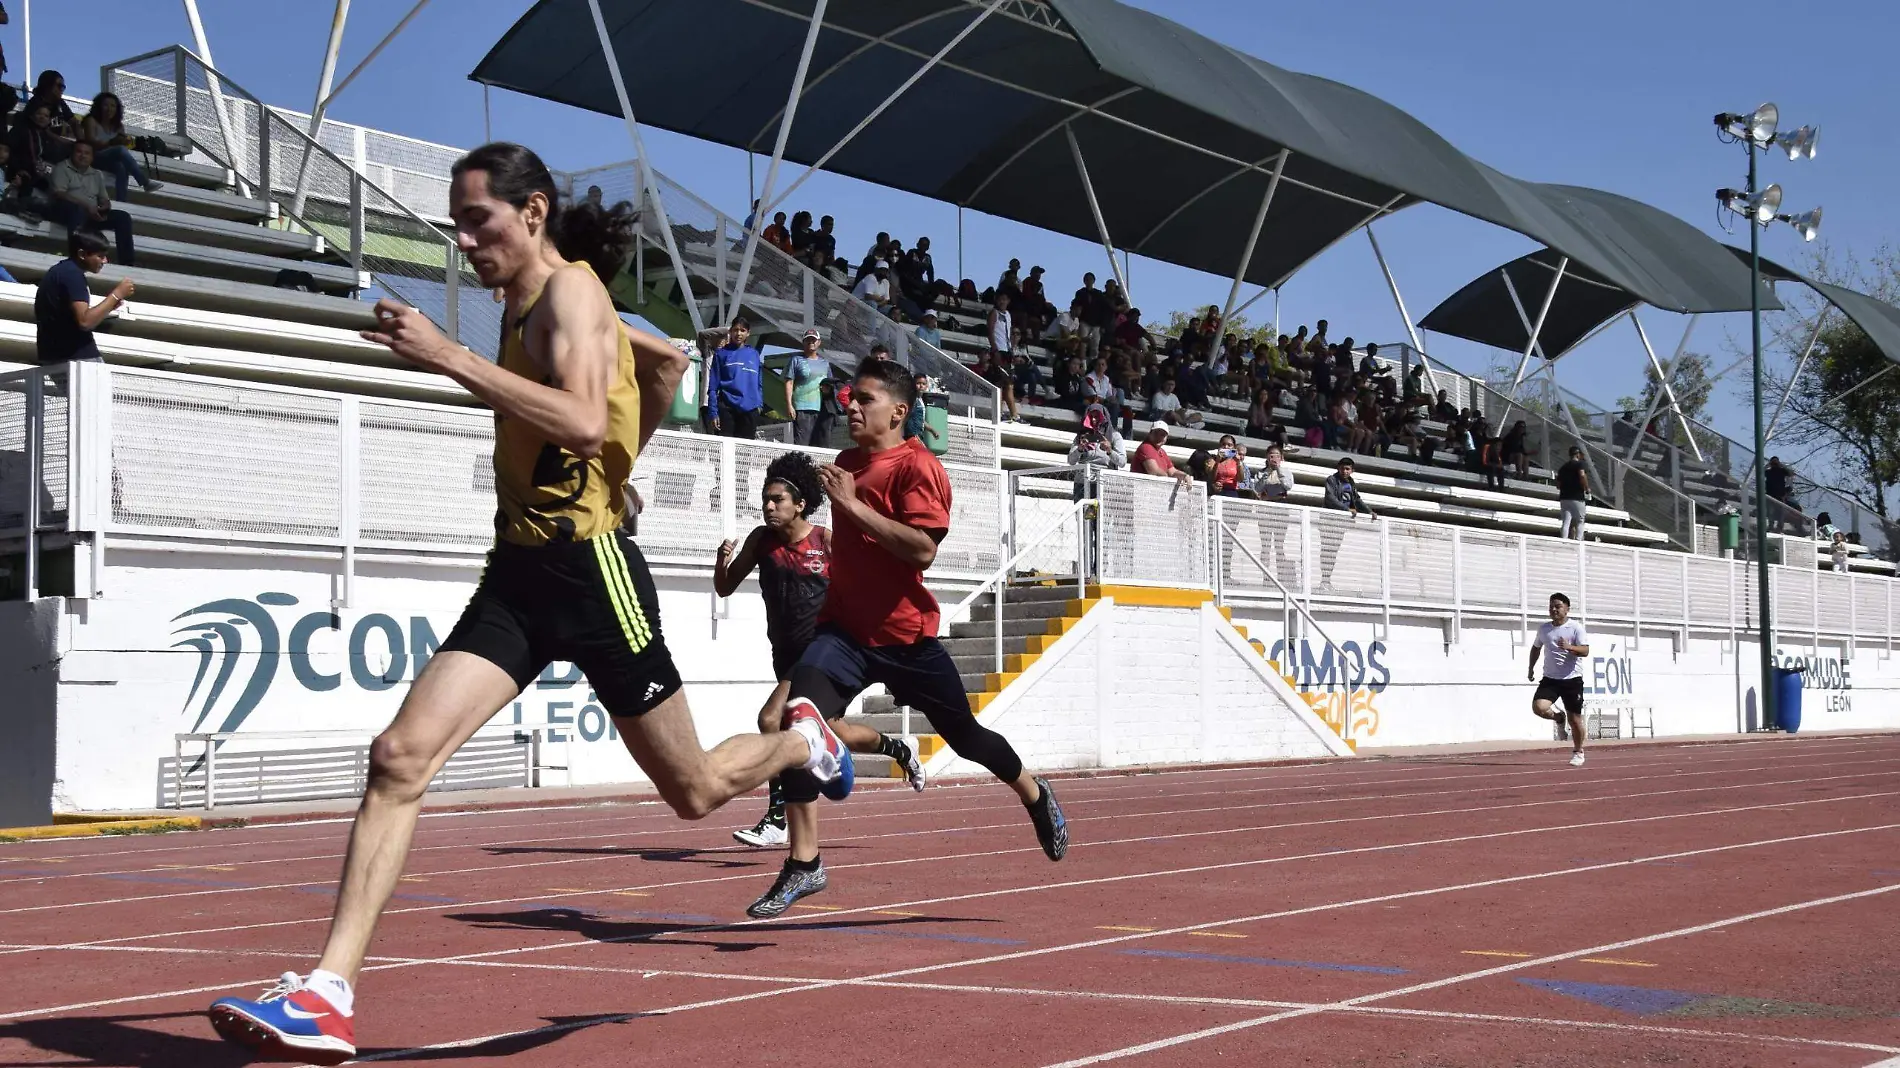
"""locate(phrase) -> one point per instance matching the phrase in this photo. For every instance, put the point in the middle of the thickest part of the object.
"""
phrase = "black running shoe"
(1052, 828)
(906, 758)
(792, 884)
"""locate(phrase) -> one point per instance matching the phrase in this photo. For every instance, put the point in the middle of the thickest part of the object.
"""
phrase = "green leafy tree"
(1693, 387)
(1178, 320)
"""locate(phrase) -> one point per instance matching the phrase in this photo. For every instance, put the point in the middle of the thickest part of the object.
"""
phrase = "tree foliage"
(1690, 380)
(1838, 409)
(1178, 320)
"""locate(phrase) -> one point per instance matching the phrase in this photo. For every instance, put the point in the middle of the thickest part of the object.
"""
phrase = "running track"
(1732, 904)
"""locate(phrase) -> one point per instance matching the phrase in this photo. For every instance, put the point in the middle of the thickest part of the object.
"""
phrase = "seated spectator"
(1151, 456)
(1067, 384)
(1034, 311)
(1099, 386)
(1444, 410)
(1028, 376)
(14, 195)
(1200, 468)
(823, 249)
(995, 369)
(1367, 429)
(1838, 551)
(875, 288)
(1260, 421)
(1069, 332)
(1130, 336)
(1230, 466)
(1163, 405)
(1824, 528)
(879, 250)
(104, 129)
(801, 238)
(915, 281)
(1406, 430)
(50, 90)
(1274, 482)
(1096, 447)
(927, 331)
(777, 235)
(63, 313)
(80, 201)
(967, 291)
(31, 153)
(1341, 419)
(1491, 462)
(1192, 381)
(1415, 393)
(1369, 365)
(838, 272)
(1515, 449)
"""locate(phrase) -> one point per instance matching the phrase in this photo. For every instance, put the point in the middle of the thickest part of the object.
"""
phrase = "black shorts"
(591, 604)
(1569, 691)
(920, 675)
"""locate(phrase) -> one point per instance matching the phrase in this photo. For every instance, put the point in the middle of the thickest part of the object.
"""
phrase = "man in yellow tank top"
(575, 394)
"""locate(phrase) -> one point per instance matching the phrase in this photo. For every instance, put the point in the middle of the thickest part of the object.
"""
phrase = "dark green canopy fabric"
(1179, 131)
(1482, 311)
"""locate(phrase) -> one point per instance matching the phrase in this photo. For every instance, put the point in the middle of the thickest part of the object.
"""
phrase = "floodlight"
(1761, 125)
(1765, 204)
(1807, 224)
(1799, 144)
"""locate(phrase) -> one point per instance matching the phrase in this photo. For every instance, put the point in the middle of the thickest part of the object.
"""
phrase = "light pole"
(1756, 130)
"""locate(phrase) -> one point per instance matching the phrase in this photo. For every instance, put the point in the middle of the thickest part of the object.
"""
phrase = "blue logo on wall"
(241, 650)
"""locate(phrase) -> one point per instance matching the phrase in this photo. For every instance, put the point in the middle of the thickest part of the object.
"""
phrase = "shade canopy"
(1180, 133)
(1482, 311)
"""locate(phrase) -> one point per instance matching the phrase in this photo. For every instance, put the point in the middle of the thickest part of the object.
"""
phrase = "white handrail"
(1001, 575)
(1287, 601)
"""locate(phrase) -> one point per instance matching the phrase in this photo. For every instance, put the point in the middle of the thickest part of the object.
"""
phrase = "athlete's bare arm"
(915, 547)
(657, 370)
(731, 568)
(1531, 671)
(576, 339)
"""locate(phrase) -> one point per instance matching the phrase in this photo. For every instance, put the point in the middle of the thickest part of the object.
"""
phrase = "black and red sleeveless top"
(793, 579)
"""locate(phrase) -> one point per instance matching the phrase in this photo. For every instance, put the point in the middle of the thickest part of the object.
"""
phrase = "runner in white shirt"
(1564, 644)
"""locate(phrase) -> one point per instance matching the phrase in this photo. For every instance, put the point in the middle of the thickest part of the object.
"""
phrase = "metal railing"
(1000, 578)
(1290, 609)
(36, 472)
(316, 191)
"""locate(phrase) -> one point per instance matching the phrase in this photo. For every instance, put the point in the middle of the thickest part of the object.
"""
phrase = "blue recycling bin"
(1788, 699)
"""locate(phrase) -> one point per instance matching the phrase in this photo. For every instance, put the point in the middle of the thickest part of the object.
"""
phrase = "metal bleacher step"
(154, 221)
(207, 203)
(198, 175)
(195, 259)
(185, 290)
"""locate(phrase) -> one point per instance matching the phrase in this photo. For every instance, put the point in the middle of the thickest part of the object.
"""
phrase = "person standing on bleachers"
(1573, 493)
(64, 315)
(80, 201)
(1095, 314)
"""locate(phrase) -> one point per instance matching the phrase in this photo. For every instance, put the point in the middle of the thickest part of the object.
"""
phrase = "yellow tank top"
(546, 493)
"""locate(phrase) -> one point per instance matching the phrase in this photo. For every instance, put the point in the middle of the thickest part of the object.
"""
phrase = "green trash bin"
(685, 407)
(936, 424)
(1729, 532)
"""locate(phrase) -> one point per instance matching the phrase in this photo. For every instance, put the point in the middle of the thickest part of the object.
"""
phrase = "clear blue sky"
(1616, 94)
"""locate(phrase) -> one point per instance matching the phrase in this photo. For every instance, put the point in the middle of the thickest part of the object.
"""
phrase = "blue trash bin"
(1788, 700)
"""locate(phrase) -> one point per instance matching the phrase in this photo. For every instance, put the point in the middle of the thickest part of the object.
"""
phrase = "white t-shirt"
(1002, 330)
(1163, 402)
(873, 289)
(1560, 663)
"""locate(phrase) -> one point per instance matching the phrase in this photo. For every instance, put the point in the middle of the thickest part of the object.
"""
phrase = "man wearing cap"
(875, 288)
(928, 332)
(805, 392)
(1151, 456)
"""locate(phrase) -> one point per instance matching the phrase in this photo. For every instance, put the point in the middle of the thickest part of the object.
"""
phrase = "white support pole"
(26, 30)
(1251, 301)
(1536, 329)
(929, 64)
(1663, 371)
(1253, 237)
(1796, 377)
(1398, 299)
(231, 146)
(339, 18)
(647, 185)
(400, 26)
(778, 155)
(1095, 209)
(488, 118)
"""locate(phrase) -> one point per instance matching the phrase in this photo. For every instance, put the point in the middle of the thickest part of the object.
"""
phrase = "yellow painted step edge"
(119, 826)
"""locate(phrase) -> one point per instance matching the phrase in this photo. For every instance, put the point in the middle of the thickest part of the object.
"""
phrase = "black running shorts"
(590, 603)
(1569, 691)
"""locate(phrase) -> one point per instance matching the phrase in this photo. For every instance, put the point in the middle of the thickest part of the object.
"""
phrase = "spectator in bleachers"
(995, 368)
(999, 327)
(733, 381)
(1096, 447)
(1230, 466)
(1068, 332)
(1260, 420)
(1573, 494)
(1274, 481)
(1837, 551)
(1367, 427)
(1163, 405)
(801, 237)
(1096, 314)
(1516, 449)
(104, 128)
(1151, 456)
(1341, 494)
(1404, 428)
(50, 91)
(879, 250)
(823, 247)
(1028, 377)
(63, 313)
(1444, 410)
(1011, 281)
(1066, 384)
(1200, 468)
(805, 381)
(916, 281)
(31, 152)
(80, 201)
(838, 272)
(1032, 304)
(1824, 528)
(1099, 386)
(1415, 392)
(1780, 481)
(927, 331)
(1491, 462)
(874, 288)
(1340, 420)
(778, 235)
(1318, 340)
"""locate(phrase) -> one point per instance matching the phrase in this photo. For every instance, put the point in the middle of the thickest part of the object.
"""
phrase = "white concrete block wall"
(1154, 710)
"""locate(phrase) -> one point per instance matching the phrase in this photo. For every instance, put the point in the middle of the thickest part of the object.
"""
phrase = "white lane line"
(1484, 973)
(1371, 764)
(734, 851)
(1330, 906)
(1093, 943)
(671, 825)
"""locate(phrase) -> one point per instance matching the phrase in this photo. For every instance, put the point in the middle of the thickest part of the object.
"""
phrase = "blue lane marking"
(1637, 1000)
(1268, 962)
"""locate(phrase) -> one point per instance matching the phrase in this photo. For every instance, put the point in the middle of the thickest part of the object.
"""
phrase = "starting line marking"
(1215, 934)
(1613, 960)
(1111, 927)
(895, 912)
(1494, 953)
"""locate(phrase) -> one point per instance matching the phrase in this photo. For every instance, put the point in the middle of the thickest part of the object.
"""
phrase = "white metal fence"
(89, 450)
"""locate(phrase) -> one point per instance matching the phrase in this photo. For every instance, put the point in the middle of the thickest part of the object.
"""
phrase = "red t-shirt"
(1146, 451)
(875, 597)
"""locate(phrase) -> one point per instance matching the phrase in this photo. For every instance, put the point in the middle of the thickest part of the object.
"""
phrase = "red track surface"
(1734, 904)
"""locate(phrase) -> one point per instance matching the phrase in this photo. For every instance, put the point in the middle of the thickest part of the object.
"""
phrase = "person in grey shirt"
(80, 201)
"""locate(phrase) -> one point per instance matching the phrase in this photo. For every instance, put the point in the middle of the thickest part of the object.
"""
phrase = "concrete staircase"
(1033, 618)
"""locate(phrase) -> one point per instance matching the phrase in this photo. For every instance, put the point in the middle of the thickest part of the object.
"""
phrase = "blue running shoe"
(288, 1022)
(1052, 828)
(791, 885)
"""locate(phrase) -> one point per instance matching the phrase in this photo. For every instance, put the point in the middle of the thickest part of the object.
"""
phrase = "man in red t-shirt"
(1151, 456)
(890, 507)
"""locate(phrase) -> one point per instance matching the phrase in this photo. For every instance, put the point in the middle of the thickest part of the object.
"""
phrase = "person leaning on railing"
(63, 313)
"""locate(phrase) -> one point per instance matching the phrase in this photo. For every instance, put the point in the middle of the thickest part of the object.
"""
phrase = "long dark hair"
(601, 237)
(118, 109)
